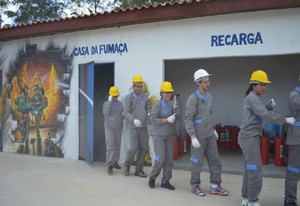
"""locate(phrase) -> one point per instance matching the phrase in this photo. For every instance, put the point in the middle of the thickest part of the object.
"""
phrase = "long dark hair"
(250, 88)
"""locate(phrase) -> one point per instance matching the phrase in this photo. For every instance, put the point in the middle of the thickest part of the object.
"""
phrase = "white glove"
(171, 118)
(137, 123)
(109, 98)
(272, 103)
(196, 143)
(290, 120)
(216, 134)
(35, 112)
(175, 102)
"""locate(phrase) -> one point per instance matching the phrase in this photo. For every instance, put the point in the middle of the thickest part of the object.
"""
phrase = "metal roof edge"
(139, 15)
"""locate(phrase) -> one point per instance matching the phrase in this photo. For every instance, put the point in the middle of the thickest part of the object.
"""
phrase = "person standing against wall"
(199, 126)
(162, 118)
(254, 112)
(113, 125)
(292, 176)
(136, 109)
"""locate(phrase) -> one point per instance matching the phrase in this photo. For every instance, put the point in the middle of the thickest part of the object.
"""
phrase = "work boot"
(116, 166)
(290, 203)
(151, 183)
(110, 169)
(140, 173)
(126, 169)
(167, 185)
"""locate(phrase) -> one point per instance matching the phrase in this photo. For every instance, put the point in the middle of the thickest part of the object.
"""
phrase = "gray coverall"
(137, 107)
(162, 134)
(293, 139)
(254, 111)
(198, 121)
(113, 125)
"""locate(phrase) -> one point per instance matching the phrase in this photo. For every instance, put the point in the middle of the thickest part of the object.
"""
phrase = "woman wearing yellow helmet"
(162, 118)
(255, 112)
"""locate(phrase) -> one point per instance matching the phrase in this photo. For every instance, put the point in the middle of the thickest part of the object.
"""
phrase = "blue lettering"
(214, 41)
(258, 38)
(81, 51)
(227, 40)
(125, 48)
(75, 52)
(110, 48)
(234, 40)
(243, 39)
(221, 39)
(94, 50)
(250, 38)
(102, 49)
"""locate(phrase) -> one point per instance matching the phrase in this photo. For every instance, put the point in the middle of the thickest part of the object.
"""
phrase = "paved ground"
(233, 163)
(39, 181)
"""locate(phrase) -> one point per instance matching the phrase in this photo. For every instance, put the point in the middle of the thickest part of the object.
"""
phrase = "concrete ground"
(40, 181)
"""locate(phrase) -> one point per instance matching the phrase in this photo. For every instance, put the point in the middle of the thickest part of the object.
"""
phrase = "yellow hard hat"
(114, 91)
(153, 100)
(137, 78)
(166, 87)
(259, 76)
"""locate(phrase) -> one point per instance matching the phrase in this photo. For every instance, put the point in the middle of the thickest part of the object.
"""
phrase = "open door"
(86, 112)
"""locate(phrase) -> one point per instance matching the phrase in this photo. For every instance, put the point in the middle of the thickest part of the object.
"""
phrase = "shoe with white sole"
(244, 202)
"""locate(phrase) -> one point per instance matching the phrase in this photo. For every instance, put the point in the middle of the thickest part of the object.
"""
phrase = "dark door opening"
(94, 83)
(104, 79)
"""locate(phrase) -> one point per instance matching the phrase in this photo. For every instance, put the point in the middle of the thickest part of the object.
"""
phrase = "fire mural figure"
(39, 102)
(23, 106)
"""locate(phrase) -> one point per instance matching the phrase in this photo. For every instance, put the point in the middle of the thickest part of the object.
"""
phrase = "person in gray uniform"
(199, 126)
(136, 109)
(162, 118)
(292, 176)
(254, 112)
(113, 125)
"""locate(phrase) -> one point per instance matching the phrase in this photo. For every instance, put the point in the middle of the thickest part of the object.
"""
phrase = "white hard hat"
(200, 73)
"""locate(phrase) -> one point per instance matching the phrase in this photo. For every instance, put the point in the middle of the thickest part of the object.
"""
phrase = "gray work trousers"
(113, 144)
(138, 142)
(252, 180)
(163, 148)
(209, 150)
(292, 176)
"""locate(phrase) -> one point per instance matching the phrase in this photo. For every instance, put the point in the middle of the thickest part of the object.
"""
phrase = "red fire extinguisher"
(278, 156)
(264, 150)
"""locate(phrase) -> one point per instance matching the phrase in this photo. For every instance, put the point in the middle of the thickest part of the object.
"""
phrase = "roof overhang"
(139, 15)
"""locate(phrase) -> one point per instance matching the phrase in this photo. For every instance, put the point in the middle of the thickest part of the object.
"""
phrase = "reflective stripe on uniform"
(251, 166)
(255, 121)
(293, 169)
(111, 118)
(197, 121)
(297, 124)
(157, 158)
(194, 160)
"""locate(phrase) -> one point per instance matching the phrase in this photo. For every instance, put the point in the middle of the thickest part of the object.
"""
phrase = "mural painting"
(38, 99)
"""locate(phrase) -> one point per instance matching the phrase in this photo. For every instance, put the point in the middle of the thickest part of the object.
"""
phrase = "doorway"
(94, 83)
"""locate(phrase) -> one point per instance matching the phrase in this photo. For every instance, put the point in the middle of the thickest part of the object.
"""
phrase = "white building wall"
(150, 44)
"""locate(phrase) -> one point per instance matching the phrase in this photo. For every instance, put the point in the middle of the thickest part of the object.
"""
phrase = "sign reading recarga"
(236, 39)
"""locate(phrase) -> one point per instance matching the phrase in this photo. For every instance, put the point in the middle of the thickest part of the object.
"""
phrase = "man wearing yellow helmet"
(113, 125)
(136, 109)
(255, 112)
(162, 118)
